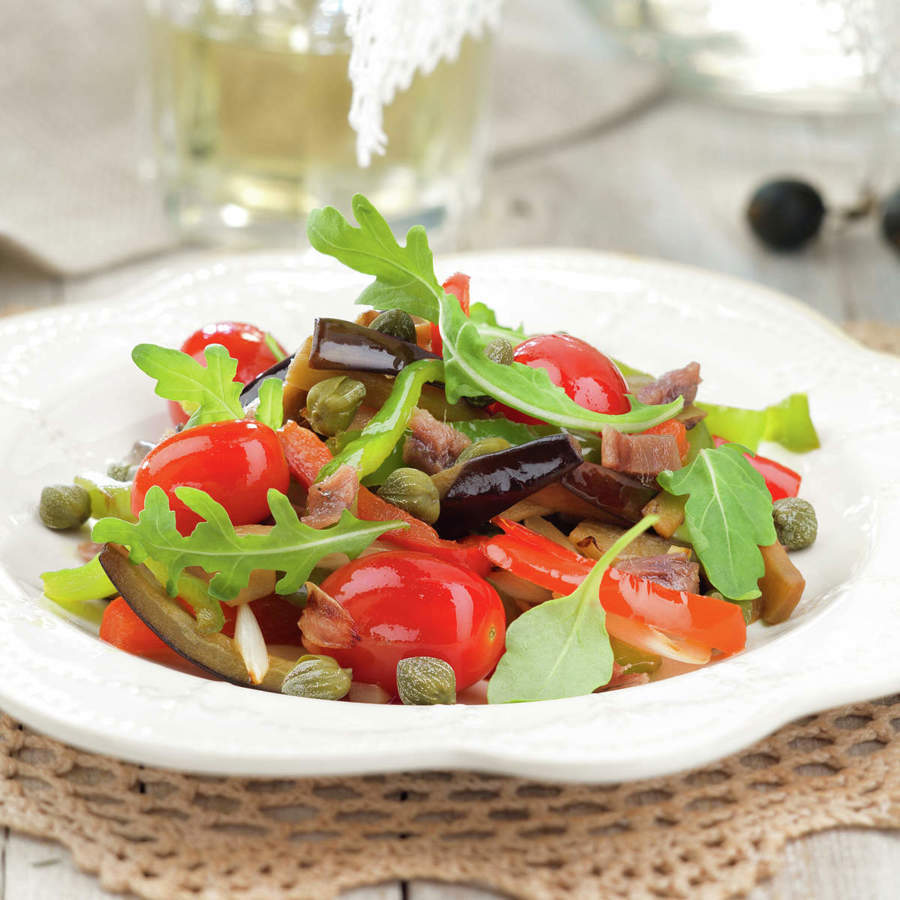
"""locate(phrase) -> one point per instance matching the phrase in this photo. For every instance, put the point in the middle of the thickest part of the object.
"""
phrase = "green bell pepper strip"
(378, 439)
(787, 423)
(78, 590)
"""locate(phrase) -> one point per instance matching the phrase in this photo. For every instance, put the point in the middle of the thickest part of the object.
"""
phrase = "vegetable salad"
(423, 505)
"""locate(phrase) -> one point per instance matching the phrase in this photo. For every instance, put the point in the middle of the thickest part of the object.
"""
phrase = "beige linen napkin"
(74, 136)
(76, 155)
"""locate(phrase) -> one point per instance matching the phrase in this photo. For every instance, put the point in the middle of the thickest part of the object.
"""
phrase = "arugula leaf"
(514, 432)
(290, 546)
(486, 320)
(787, 423)
(469, 373)
(405, 279)
(270, 410)
(728, 514)
(404, 276)
(179, 377)
(561, 648)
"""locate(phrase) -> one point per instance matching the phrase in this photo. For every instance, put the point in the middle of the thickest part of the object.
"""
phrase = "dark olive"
(785, 213)
(890, 218)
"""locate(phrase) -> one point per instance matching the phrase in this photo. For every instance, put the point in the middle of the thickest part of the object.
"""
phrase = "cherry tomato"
(410, 604)
(458, 285)
(246, 343)
(234, 462)
(583, 372)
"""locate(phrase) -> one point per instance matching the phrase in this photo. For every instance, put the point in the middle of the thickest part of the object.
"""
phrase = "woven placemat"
(713, 832)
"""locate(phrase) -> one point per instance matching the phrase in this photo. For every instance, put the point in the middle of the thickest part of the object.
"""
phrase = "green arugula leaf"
(405, 279)
(486, 320)
(514, 432)
(728, 514)
(404, 276)
(561, 648)
(787, 423)
(469, 373)
(270, 410)
(211, 388)
(290, 546)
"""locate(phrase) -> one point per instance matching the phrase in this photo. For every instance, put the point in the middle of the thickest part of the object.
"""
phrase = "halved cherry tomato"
(703, 620)
(409, 604)
(780, 480)
(122, 628)
(582, 371)
(246, 343)
(306, 454)
(458, 285)
(234, 462)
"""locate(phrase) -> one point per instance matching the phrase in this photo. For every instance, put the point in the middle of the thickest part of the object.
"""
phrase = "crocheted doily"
(709, 833)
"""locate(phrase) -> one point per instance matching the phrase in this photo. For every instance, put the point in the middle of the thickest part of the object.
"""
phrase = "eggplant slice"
(480, 488)
(215, 653)
(337, 344)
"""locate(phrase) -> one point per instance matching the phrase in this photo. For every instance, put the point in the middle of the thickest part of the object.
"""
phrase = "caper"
(795, 522)
(64, 506)
(500, 351)
(425, 681)
(397, 323)
(413, 491)
(482, 447)
(121, 471)
(331, 404)
(319, 677)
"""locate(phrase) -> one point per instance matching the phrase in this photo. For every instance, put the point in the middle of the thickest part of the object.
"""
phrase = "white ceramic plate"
(71, 399)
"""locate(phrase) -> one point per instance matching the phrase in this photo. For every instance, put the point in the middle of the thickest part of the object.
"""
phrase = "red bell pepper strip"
(306, 454)
(780, 480)
(122, 628)
(716, 624)
(458, 285)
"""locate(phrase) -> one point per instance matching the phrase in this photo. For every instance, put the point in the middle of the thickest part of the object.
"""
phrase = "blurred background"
(141, 136)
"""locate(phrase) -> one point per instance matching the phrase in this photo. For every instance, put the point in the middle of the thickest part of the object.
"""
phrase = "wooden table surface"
(668, 177)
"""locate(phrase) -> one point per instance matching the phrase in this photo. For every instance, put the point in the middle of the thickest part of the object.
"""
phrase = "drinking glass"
(250, 102)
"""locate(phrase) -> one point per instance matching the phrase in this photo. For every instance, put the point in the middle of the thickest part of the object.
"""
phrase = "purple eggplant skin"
(337, 344)
(250, 393)
(613, 492)
(486, 485)
(214, 653)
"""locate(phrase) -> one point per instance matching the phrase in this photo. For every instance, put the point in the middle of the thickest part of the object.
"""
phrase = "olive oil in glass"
(251, 103)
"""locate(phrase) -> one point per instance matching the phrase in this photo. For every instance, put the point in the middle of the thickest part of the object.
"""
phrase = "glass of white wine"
(251, 99)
